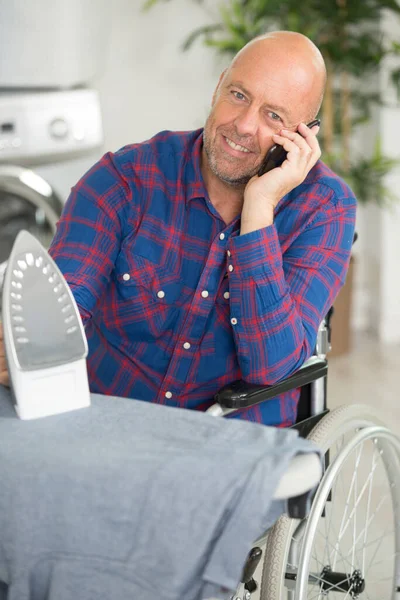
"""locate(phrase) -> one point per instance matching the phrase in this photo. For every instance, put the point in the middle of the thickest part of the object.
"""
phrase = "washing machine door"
(28, 202)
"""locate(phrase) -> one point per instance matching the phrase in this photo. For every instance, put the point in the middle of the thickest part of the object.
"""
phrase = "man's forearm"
(256, 217)
(269, 332)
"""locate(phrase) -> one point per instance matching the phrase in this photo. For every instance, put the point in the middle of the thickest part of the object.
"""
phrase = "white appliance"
(48, 140)
(58, 133)
(52, 43)
(36, 127)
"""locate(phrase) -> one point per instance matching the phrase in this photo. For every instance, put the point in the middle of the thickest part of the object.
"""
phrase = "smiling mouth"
(236, 146)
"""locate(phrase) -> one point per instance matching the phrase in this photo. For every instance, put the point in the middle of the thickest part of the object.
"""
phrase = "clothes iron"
(44, 338)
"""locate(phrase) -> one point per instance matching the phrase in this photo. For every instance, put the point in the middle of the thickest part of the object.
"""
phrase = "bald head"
(298, 60)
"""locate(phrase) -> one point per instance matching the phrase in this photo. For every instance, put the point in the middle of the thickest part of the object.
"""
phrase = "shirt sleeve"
(88, 235)
(277, 302)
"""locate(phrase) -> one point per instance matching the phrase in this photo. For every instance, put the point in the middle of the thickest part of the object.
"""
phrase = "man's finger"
(310, 135)
(297, 155)
(296, 138)
(286, 143)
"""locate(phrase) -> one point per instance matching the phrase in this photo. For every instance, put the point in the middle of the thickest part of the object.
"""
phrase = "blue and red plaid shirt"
(176, 303)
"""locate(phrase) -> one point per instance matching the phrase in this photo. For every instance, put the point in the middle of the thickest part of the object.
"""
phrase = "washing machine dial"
(59, 128)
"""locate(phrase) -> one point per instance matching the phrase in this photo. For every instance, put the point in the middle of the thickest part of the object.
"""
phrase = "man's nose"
(247, 122)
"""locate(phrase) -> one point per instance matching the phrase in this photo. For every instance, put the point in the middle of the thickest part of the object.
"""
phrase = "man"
(188, 269)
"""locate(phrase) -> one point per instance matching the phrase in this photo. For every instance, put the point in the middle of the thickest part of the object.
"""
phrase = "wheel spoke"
(367, 525)
(372, 563)
(348, 592)
(335, 548)
(343, 558)
(378, 546)
(353, 554)
(343, 530)
(367, 516)
(346, 507)
(386, 533)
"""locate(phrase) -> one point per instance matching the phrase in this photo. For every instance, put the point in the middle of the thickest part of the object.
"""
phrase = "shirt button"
(226, 295)
(234, 321)
(168, 394)
(186, 345)
(161, 294)
(221, 236)
(228, 253)
(126, 277)
(204, 293)
(230, 268)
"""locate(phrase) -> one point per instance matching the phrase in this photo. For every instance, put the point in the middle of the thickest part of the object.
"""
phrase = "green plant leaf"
(368, 174)
(150, 3)
(206, 31)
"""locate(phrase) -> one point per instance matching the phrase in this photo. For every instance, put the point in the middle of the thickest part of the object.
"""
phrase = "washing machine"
(48, 140)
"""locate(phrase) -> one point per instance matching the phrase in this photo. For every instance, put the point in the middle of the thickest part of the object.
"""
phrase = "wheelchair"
(348, 545)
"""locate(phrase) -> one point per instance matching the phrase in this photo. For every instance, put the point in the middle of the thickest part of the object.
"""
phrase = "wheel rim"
(345, 555)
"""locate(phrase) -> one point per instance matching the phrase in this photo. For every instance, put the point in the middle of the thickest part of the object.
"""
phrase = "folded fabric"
(127, 499)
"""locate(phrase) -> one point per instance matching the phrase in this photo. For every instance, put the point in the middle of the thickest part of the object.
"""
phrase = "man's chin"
(235, 179)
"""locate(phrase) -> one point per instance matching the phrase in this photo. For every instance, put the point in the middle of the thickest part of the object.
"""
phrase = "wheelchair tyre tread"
(336, 423)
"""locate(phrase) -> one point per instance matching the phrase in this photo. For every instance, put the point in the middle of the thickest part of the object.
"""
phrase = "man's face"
(254, 100)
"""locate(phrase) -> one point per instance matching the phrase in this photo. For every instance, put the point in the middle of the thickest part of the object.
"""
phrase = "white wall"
(149, 84)
(377, 306)
(389, 125)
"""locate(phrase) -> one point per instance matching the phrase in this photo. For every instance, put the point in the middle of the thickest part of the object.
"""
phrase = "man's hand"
(262, 194)
(4, 379)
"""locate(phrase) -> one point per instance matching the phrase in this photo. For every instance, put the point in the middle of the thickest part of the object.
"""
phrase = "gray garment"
(128, 499)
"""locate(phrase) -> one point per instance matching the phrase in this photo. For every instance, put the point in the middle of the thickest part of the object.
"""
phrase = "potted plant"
(348, 36)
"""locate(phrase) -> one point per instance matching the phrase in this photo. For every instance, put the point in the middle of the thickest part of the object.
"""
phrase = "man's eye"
(239, 95)
(274, 116)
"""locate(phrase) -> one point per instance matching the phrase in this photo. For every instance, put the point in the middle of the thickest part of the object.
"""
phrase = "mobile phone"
(276, 155)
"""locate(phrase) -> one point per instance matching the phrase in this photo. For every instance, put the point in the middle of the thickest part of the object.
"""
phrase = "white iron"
(44, 338)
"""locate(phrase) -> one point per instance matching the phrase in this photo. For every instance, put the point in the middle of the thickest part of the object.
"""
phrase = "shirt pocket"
(137, 278)
(150, 301)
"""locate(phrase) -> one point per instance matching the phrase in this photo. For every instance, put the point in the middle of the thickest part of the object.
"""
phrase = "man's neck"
(226, 199)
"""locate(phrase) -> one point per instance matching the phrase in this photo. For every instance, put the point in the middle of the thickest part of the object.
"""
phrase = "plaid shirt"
(176, 303)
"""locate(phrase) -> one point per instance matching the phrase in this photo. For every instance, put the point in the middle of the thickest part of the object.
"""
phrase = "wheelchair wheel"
(349, 546)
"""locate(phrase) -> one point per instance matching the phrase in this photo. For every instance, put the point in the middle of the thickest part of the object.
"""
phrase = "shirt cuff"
(256, 251)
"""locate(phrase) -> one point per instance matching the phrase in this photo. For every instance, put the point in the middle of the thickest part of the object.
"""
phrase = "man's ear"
(214, 97)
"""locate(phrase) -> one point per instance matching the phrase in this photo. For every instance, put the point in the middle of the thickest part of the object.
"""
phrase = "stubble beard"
(232, 179)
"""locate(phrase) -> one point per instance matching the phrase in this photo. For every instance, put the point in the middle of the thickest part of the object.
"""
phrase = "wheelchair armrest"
(240, 394)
